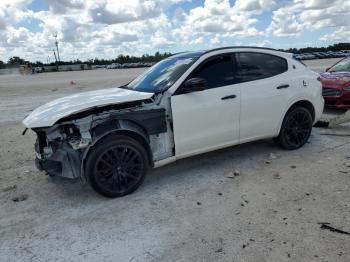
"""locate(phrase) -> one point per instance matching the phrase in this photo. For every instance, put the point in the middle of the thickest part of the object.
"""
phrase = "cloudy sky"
(107, 28)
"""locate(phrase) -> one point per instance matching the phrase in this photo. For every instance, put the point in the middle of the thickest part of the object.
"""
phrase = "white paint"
(50, 113)
(203, 121)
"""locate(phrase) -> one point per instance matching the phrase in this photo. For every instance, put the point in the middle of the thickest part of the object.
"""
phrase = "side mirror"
(327, 69)
(194, 84)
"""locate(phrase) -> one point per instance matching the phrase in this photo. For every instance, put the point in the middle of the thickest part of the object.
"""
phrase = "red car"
(336, 85)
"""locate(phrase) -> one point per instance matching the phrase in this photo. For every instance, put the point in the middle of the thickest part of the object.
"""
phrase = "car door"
(265, 91)
(209, 119)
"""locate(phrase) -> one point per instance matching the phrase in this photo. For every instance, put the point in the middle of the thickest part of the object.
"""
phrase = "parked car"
(320, 55)
(114, 66)
(37, 70)
(336, 85)
(308, 56)
(298, 56)
(185, 105)
(326, 55)
(346, 52)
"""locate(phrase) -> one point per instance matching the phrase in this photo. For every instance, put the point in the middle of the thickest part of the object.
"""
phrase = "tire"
(116, 166)
(296, 128)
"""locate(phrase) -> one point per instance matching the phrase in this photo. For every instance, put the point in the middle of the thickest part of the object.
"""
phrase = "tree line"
(335, 47)
(122, 59)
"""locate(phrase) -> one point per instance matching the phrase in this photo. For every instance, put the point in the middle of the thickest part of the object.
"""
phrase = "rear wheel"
(116, 166)
(296, 128)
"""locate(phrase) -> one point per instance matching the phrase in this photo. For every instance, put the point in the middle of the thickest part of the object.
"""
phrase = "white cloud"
(62, 6)
(342, 34)
(284, 23)
(2, 20)
(254, 5)
(107, 28)
(302, 15)
(17, 37)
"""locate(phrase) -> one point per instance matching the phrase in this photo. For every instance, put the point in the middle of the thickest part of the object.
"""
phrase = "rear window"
(255, 66)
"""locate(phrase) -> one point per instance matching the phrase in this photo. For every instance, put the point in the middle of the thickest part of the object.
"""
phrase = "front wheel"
(116, 166)
(296, 129)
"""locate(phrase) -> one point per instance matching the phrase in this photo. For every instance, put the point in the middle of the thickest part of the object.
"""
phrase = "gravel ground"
(187, 211)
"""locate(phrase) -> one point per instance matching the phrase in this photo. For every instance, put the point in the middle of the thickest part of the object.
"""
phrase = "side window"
(217, 71)
(254, 66)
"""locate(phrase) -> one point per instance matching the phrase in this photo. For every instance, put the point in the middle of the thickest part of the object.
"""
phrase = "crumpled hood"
(48, 114)
(338, 78)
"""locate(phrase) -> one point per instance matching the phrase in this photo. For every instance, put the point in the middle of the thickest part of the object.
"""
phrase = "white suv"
(185, 105)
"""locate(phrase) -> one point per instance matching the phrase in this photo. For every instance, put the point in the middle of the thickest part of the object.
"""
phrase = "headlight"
(347, 88)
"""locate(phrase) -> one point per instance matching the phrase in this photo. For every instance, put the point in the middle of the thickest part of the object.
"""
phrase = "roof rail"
(232, 47)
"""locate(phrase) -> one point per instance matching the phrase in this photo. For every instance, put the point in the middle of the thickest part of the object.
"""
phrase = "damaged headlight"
(76, 138)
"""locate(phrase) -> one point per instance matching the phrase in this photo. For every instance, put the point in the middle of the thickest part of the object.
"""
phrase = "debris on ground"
(245, 245)
(325, 225)
(267, 162)
(20, 198)
(72, 83)
(344, 172)
(341, 119)
(9, 188)
(219, 250)
(272, 156)
(276, 175)
(244, 198)
(293, 166)
(233, 174)
(230, 175)
(199, 203)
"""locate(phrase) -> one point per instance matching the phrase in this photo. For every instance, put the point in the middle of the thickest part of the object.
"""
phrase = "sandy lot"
(187, 211)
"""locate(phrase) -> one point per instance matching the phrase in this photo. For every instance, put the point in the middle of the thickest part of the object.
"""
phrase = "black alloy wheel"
(296, 128)
(117, 166)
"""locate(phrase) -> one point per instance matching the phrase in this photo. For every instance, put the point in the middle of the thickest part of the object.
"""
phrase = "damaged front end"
(59, 148)
(62, 148)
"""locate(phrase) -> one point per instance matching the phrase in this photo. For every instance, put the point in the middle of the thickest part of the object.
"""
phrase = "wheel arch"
(304, 103)
(124, 127)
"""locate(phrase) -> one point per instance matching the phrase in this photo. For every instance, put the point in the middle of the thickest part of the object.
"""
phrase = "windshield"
(164, 74)
(342, 66)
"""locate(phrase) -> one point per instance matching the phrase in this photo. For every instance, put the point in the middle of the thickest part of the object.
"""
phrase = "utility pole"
(54, 53)
(56, 43)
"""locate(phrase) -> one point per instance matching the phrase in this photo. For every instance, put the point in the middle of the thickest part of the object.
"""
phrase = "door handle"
(228, 97)
(282, 86)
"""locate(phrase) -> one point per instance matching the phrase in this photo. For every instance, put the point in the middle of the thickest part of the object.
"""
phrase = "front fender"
(117, 127)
